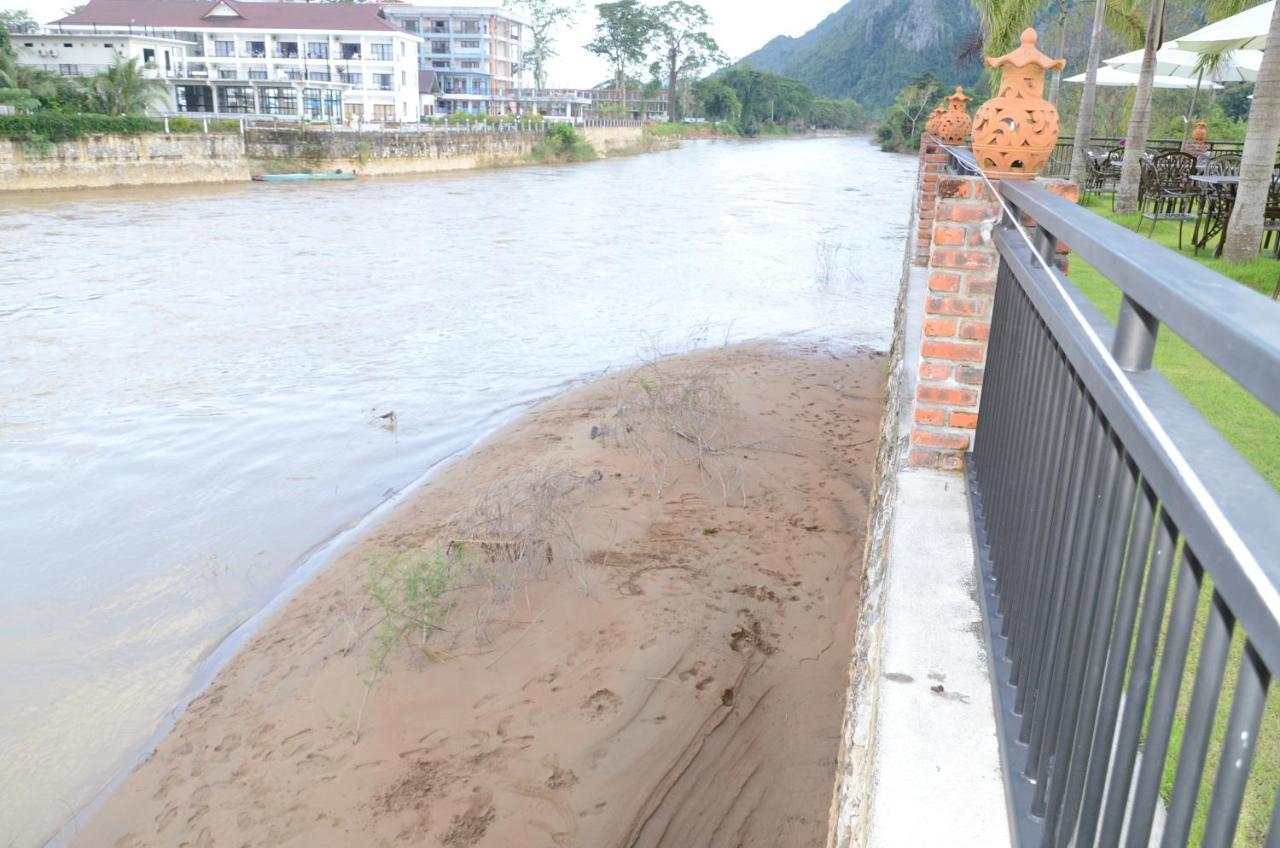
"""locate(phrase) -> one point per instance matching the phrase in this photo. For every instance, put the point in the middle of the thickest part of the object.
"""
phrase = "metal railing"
(1094, 484)
(1059, 164)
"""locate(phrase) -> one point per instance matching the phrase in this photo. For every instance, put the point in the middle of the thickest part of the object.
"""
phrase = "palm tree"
(1135, 140)
(122, 89)
(1245, 229)
(1121, 17)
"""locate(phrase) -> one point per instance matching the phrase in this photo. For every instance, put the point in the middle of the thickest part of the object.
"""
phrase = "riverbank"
(652, 586)
(106, 161)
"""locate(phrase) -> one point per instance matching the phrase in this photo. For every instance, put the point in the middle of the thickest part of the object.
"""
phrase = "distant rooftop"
(231, 14)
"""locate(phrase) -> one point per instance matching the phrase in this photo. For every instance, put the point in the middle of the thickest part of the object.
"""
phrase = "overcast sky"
(739, 25)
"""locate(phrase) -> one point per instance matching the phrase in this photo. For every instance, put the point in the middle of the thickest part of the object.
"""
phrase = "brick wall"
(933, 161)
(956, 215)
(962, 264)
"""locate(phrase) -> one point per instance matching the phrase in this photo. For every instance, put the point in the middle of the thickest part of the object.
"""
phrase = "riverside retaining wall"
(392, 152)
(98, 161)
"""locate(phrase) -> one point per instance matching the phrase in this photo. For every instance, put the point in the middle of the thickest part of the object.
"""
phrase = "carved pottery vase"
(954, 124)
(1014, 133)
(931, 125)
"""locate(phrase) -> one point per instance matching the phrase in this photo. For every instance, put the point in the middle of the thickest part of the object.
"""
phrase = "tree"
(17, 21)
(545, 16)
(904, 121)
(122, 89)
(681, 35)
(623, 34)
(1245, 229)
(1135, 140)
(719, 101)
(1121, 17)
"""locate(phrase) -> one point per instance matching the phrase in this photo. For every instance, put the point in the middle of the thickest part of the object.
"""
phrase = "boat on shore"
(293, 178)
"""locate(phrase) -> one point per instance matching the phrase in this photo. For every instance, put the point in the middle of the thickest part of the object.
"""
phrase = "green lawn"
(1255, 432)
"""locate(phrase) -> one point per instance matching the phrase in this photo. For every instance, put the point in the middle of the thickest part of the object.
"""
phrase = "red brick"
(920, 458)
(967, 212)
(970, 260)
(969, 376)
(949, 235)
(954, 351)
(939, 327)
(975, 330)
(950, 462)
(928, 438)
(953, 187)
(954, 306)
(966, 420)
(950, 397)
(944, 282)
(934, 371)
(980, 284)
(1062, 188)
(931, 415)
(930, 178)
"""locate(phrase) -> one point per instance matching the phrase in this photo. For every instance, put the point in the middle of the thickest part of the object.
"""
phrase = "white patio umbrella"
(1245, 31)
(1234, 66)
(1108, 75)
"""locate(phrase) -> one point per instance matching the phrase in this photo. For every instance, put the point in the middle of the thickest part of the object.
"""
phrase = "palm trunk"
(1088, 97)
(671, 84)
(622, 84)
(1055, 85)
(1135, 140)
(1244, 232)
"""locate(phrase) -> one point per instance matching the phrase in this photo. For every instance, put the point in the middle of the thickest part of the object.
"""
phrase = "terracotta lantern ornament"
(953, 124)
(931, 125)
(1014, 133)
(1200, 134)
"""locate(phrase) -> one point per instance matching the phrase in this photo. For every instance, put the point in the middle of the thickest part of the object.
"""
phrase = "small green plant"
(56, 126)
(564, 144)
(410, 589)
(314, 154)
(362, 152)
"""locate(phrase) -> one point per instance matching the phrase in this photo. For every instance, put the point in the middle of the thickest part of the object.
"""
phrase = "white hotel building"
(321, 61)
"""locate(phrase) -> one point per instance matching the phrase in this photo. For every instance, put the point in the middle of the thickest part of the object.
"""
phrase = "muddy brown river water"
(193, 384)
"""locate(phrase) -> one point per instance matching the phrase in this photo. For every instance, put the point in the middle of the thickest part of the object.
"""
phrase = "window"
(256, 49)
(69, 70)
(333, 103)
(382, 82)
(317, 50)
(404, 78)
(350, 51)
(439, 47)
(194, 98)
(355, 111)
(312, 103)
(469, 44)
(383, 112)
(257, 73)
(409, 25)
(469, 27)
(318, 76)
(67, 44)
(32, 44)
(108, 45)
(279, 100)
(353, 79)
(224, 48)
(440, 63)
(287, 50)
(470, 65)
(382, 52)
(235, 99)
(225, 74)
(439, 26)
(292, 74)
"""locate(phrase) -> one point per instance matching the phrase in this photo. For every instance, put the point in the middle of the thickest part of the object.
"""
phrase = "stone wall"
(608, 140)
(98, 161)
(392, 152)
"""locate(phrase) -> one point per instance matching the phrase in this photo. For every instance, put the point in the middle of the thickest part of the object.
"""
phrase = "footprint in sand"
(602, 702)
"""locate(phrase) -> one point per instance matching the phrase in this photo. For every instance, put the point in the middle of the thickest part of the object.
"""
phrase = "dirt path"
(669, 668)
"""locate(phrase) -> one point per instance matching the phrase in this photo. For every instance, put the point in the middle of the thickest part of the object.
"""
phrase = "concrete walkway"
(936, 775)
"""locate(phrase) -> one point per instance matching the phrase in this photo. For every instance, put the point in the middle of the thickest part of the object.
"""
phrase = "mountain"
(869, 49)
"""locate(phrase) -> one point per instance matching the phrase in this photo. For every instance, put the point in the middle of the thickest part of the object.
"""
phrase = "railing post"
(1135, 339)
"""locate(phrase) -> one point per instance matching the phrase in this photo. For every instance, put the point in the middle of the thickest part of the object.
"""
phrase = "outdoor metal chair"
(1166, 192)
(1224, 165)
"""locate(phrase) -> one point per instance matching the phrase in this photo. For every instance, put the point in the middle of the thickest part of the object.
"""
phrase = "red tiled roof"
(193, 14)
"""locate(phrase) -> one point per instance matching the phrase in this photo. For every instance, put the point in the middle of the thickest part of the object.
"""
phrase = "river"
(194, 379)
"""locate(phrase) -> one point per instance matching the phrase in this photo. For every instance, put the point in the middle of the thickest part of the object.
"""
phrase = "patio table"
(1212, 182)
